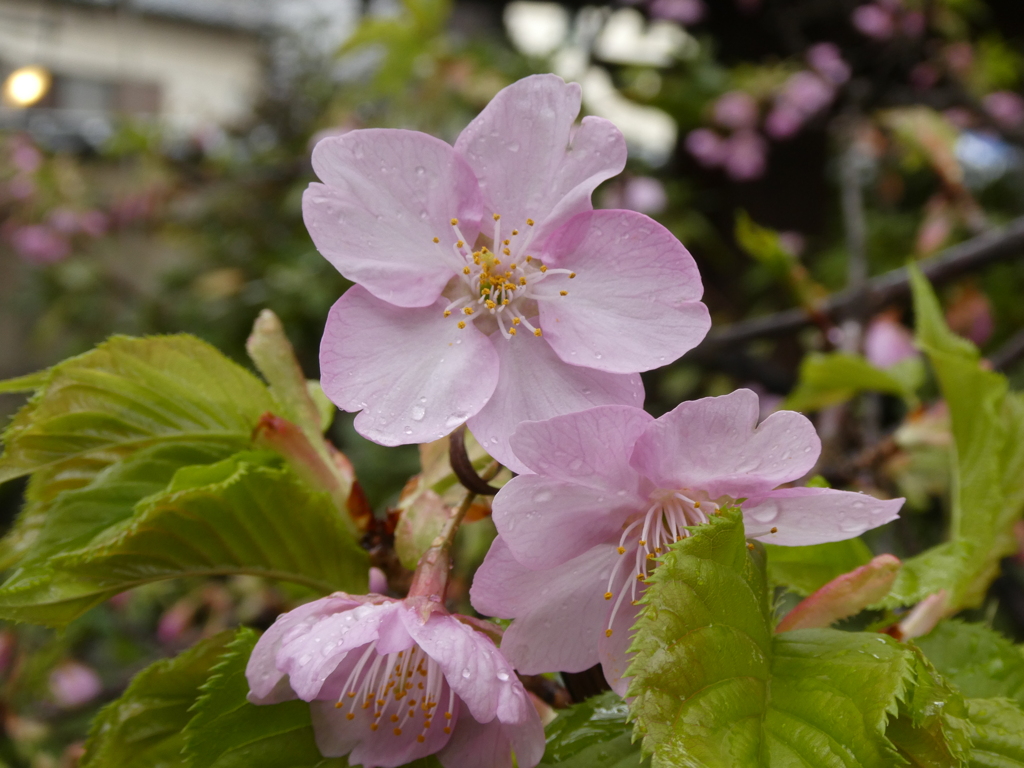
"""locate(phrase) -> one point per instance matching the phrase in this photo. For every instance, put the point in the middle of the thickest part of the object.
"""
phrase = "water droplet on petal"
(542, 497)
(503, 676)
(466, 673)
(420, 170)
(418, 413)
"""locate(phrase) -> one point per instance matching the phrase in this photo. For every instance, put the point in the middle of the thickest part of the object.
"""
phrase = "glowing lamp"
(26, 85)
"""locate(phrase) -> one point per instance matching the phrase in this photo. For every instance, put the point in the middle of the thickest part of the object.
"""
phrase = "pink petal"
(590, 447)
(311, 655)
(634, 304)
(474, 744)
(814, 515)
(546, 522)
(530, 162)
(386, 195)
(559, 612)
(473, 666)
(715, 445)
(535, 385)
(268, 684)
(412, 373)
(613, 650)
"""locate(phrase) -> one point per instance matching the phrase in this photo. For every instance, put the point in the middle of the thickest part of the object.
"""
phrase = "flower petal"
(613, 650)
(529, 161)
(559, 612)
(386, 195)
(311, 655)
(267, 683)
(635, 302)
(412, 373)
(489, 744)
(547, 522)
(814, 515)
(534, 384)
(476, 670)
(715, 445)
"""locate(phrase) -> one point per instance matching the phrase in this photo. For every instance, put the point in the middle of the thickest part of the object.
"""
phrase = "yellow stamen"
(467, 310)
(455, 222)
(350, 716)
(607, 633)
(516, 320)
(437, 240)
(459, 244)
(775, 530)
(511, 331)
(622, 550)
(462, 323)
(537, 332)
(397, 731)
(572, 275)
(529, 222)
(563, 293)
(496, 217)
(466, 270)
(607, 595)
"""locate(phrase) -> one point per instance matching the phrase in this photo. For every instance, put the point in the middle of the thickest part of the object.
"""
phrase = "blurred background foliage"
(796, 147)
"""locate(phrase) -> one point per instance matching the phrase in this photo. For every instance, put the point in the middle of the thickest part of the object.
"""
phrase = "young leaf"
(28, 383)
(241, 515)
(983, 467)
(804, 570)
(593, 734)
(997, 733)
(127, 394)
(226, 731)
(979, 661)
(714, 688)
(143, 728)
(829, 379)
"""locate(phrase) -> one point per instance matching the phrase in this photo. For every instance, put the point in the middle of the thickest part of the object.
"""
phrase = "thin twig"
(1011, 351)
(463, 467)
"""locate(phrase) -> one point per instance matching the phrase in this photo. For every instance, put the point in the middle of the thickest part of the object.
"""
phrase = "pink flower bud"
(783, 122)
(827, 61)
(645, 195)
(736, 110)
(873, 21)
(807, 93)
(39, 244)
(73, 684)
(746, 155)
(706, 146)
(887, 342)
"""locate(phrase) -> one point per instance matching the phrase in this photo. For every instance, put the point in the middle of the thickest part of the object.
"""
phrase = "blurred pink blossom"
(873, 21)
(93, 223)
(378, 581)
(913, 24)
(8, 647)
(21, 187)
(25, 157)
(175, 621)
(73, 684)
(64, 220)
(970, 315)
(706, 146)
(686, 12)
(736, 110)
(1006, 108)
(960, 117)
(826, 59)
(745, 158)
(806, 92)
(645, 195)
(887, 341)
(39, 244)
(960, 58)
(783, 122)
(923, 76)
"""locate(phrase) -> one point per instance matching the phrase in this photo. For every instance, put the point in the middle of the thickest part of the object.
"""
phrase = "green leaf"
(226, 731)
(131, 393)
(324, 407)
(143, 728)
(29, 383)
(240, 515)
(806, 569)
(714, 688)
(997, 733)
(593, 734)
(979, 661)
(829, 379)
(844, 596)
(984, 462)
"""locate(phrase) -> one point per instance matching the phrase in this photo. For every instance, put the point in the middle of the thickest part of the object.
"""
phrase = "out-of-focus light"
(26, 85)
(627, 38)
(536, 29)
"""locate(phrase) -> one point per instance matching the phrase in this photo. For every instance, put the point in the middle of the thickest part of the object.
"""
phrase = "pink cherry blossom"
(736, 110)
(392, 681)
(873, 21)
(828, 62)
(612, 488)
(488, 290)
(684, 11)
(888, 342)
(706, 146)
(1006, 108)
(39, 244)
(73, 684)
(746, 156)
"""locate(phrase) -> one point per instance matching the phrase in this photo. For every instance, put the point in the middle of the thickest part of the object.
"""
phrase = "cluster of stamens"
(651, 534)
(399, 687)
(500, 280)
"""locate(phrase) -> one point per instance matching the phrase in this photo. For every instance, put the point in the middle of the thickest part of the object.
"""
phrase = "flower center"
(649, 535)
(400, 687)
(499, 280)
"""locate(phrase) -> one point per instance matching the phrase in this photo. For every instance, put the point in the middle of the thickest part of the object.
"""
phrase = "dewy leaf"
(241, 515)
(131, 393)
(715, 689)
(226, 731)
(593, 734)
(983, 466)
(829, 379)
(143, 728)
(804, 570)
(997, 733)
(979, 661)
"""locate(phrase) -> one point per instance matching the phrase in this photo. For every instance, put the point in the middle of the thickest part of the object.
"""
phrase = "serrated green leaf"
(997, 733)
(28, 383)
(982, 420)
(979, 661)
(237, 516)
(593, 734)
(226, 731)
(829, 379)
(804, 570)
(143, 728)
(127, 394)
(715, 689)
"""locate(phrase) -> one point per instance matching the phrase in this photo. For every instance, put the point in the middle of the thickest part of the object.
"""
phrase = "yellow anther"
(497, 216)
(455, 222)
(774, 530)
(563, 293)
(537, 332)
(650, 555)
(337, 705)
(572, 275)
(506, 251)
(490, 304)
(467, 310)
(466, 270)
(512, 265)
(543, 268)
(516, 320)
(529, 222)
(607, 595)
(462, 323)
(607, 633)
(497, 262)
(437, 240)
(529, 259)
(373, 726)
(504, 302)
(459, 244)
(511, 331)
(447, 313)
(642, 542)
(515, 232)
(447, 715)
(622, 550)
(447, 729)
(421, 738)
(750, 546)
(350, 716)
(522, 281)
(506, 242)
(397, 731)
(696, 505)
(640, 577)
(351, 694)
(394, 718)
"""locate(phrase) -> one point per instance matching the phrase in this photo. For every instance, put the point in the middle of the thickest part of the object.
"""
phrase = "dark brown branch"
(463, 467)
(1011, 351)
(1001, 243)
